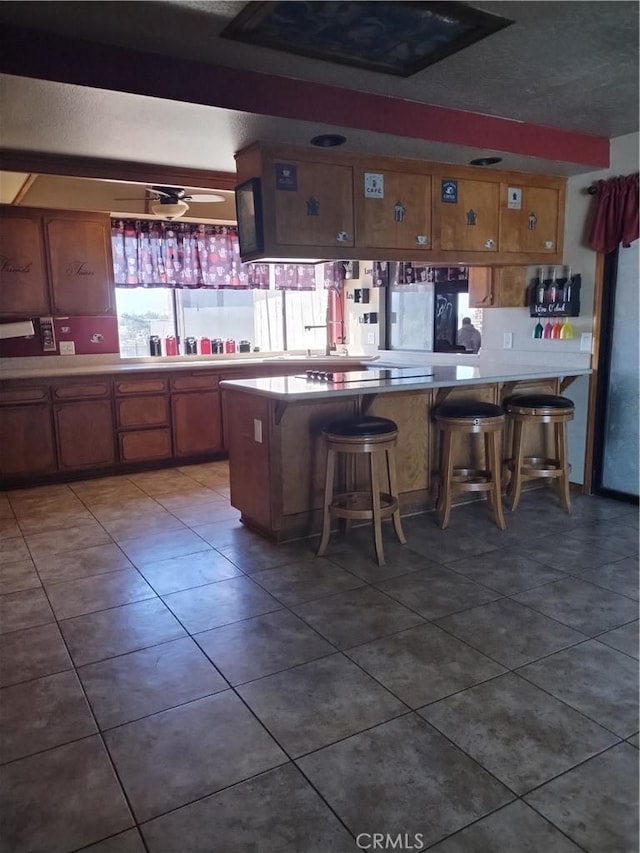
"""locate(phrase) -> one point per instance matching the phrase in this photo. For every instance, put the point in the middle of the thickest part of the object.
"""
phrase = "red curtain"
(616, 215)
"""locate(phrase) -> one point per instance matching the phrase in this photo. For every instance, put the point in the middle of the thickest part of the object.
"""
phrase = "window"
(270, 320)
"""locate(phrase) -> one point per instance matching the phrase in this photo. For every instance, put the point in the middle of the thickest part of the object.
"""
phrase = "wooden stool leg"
(375, 504)
(328, 497)
(393, 491)
(496, 479)
(564, 463)
(515, 485)
(445, 478)
(488, 464)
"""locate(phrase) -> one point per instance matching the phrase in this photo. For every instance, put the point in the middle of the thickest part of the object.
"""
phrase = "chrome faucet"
(327, 349)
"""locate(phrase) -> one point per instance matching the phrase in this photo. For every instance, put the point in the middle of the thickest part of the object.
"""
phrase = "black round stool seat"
(364, 427)
(468, 409)
(540, 401)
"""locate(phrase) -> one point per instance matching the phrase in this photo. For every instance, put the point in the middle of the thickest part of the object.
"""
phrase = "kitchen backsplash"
(78, 335)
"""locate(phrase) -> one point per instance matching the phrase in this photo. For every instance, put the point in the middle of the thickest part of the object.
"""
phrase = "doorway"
(615, 463)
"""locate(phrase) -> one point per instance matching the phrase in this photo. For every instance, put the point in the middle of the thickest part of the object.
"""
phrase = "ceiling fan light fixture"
(170, 210)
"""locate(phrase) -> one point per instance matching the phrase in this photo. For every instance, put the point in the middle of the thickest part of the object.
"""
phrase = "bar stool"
(523, 409)
(470, 417)
(372, 436)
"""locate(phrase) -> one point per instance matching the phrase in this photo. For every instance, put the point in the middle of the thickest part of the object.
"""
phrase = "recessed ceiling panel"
(396, 37)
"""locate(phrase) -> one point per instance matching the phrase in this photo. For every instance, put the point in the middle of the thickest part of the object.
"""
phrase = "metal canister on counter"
(170, 345)
(217, 347)
(229, 346)
(190, 346)
(245, 346)
(205, 346)
(155, 345)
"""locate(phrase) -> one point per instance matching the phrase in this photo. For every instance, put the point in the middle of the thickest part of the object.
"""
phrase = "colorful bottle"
(538, 330)
(555, 331)
(547, 331)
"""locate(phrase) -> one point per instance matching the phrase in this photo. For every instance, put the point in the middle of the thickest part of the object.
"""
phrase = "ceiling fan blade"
(138, 198)
(204, 198)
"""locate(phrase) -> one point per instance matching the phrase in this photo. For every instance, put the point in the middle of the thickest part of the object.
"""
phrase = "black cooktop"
(381, 374)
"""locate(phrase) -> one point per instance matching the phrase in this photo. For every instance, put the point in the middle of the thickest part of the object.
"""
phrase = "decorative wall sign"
(533, 221)
(373, 185)
(313, 207)
(472, 217)
(399, 211)
(449, 192)
(286, 177)
(514, 198)
(555, 297)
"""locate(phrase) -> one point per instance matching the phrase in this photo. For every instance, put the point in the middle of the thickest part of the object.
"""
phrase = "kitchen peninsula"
(276, 453)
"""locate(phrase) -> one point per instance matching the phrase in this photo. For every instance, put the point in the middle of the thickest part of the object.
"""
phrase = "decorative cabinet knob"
(421, 240)
(548, 244)
(342, 237)
(489, 244)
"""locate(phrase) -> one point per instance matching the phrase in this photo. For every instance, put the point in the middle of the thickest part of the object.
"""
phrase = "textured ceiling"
(569, 65)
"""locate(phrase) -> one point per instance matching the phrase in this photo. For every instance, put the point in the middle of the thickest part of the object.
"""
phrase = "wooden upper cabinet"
(470, 223)
(80, 265)
(333, 206)
(23, 270)
(313, 204)
(530, 220)
(401, 218)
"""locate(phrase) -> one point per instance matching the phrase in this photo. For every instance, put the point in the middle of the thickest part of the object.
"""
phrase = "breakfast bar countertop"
(298, 388)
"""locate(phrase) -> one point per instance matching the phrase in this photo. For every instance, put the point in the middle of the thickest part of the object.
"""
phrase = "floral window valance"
(149, 253)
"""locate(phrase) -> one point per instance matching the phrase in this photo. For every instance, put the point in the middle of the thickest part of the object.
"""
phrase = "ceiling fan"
(171, 202)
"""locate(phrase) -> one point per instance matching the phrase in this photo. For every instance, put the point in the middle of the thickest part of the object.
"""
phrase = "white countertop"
(223, 363)
(292, 388)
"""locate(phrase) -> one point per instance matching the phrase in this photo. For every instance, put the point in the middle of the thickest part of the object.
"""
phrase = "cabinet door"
(481, 287)
(23, 271)
(27, 446)
(533, 227)
(142, 411)
(81, 271)
(85, 434)
(197, 423)
(401, 219)
(319, 211)
(469, 224)
(145, 444)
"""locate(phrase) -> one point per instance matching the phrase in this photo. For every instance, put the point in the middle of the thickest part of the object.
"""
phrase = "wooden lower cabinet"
(27, 444)
(197, 423)
(138, 445)
(85, 434)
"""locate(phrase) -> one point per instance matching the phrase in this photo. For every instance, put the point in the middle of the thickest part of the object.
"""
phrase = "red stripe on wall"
(33, 54)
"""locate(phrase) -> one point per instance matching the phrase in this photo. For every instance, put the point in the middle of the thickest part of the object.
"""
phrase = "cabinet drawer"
(148, 385)
(142, 411)
(145, 444)
(32, 394)
(79, 390)
(195, 382)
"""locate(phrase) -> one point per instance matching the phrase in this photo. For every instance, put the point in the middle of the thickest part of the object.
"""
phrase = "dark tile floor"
(170, 682)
